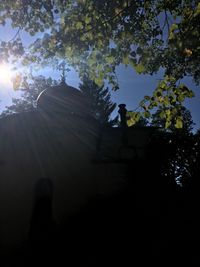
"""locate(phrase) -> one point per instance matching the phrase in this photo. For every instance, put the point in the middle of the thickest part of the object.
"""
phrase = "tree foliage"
(99, 101)
(186, 121)
(178, 147)
(97, 36)
(183, 157)
(135, 119)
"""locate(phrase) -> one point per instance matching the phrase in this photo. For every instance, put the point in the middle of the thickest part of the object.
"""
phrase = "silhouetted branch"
(17, 33)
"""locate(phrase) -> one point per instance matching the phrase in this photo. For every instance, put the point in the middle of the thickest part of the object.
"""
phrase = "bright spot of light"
(6, 74)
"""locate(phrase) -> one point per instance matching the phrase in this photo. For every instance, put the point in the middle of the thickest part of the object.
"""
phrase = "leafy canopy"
(97, 36)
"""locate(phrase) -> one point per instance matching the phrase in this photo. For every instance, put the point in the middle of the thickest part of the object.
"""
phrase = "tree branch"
(166, 22)
(17, 33)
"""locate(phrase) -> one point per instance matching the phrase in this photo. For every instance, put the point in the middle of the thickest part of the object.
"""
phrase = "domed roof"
(62, 99)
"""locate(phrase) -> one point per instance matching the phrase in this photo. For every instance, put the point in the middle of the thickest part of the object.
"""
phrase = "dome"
(62, 99)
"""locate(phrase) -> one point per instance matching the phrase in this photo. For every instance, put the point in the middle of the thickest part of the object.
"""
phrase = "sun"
(6, 74)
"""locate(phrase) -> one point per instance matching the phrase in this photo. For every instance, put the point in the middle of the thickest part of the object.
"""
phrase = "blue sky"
(132, 86)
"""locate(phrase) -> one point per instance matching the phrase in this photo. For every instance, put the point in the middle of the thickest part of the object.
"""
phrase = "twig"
(17, 33)
(167, 22)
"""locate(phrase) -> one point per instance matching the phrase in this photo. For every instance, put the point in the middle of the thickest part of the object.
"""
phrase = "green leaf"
(191, 94)
(168, 112)
(99, 80)
(87, 20)
(167, 124)
(181, 98)
(171, 31)
(147, 114)
(133, 118)
(166, 101)
(125, 60)
(162, 114)
(179, 123)
(79, 25)
(140, 68)
(110, 59)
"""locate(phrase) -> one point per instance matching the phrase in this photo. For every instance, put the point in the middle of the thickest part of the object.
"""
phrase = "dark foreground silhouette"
(140, 225)
(150, 221)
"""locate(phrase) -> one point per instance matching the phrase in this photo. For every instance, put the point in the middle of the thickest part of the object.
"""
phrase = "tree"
(98, 36)
(158, 120)
(181, 164)
(181, 147)
(99, 100)
(30, 91)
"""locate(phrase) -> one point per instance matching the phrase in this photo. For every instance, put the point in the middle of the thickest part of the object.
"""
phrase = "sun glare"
(5, 74)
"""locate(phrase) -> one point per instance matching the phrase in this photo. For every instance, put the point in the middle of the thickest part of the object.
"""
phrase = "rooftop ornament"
(122, 112)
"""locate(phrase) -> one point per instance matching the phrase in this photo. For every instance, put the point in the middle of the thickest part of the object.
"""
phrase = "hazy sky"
(132, 86)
